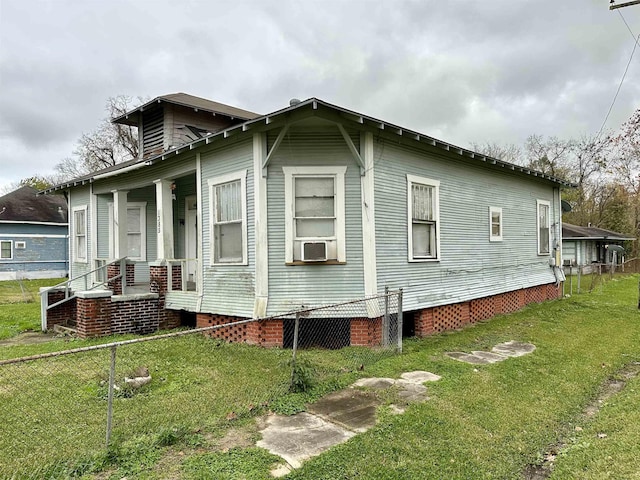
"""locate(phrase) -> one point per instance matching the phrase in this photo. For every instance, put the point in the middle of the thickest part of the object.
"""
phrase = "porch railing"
(187, 281)
(98, 273)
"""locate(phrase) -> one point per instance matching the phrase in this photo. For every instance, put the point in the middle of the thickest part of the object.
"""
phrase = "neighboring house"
(33, 235)
(585, 246)
(228, 214)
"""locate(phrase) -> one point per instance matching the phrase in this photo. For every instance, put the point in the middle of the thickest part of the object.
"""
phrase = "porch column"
(120, 223)
(164, 218)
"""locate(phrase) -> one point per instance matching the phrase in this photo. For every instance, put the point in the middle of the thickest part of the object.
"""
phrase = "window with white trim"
(544, 227)
(495, 224)
(228, 229)
(6, 249)
(80, 234)
(136, 231)
(423, 218)
(315, 214)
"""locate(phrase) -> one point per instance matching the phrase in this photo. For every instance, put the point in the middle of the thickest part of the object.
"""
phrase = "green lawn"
(20, 305)
(195, 419)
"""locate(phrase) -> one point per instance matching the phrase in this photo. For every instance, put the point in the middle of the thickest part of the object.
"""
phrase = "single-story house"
(33, 235)
(585, 246)
(228, 214)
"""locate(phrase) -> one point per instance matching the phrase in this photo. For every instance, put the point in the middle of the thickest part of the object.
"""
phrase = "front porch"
(117, 304)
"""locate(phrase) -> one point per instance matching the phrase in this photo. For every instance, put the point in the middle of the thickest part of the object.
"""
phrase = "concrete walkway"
(499, 353)
(341, 415)
(336, 418)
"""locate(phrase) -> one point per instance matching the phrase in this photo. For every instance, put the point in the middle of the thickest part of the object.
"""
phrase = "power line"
(615, 97)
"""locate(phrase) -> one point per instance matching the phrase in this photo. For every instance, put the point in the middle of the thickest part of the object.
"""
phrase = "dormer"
(172, 120)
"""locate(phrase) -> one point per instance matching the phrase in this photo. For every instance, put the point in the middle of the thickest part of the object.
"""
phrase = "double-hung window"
(136, 231)
(6, 249)
(495, 224)
(228, 230)
(80, 233)
(423, 218)
(544, 227)
(315, 214)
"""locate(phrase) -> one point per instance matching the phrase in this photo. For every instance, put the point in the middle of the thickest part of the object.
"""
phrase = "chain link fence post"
(400, 320)
(112, 382)
(296, 334)
(386, 326)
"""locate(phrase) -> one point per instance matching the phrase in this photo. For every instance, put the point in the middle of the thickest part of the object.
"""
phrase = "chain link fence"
(60, 410)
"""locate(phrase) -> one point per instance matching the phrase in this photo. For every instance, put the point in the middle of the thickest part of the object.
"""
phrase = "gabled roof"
(311, 106)
(190, 101)
(575, 232)
(24, 205)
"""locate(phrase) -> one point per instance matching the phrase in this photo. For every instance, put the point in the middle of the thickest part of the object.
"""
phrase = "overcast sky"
(463, 72)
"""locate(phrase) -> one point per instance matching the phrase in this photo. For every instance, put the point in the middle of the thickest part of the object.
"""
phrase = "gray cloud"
(462, 71)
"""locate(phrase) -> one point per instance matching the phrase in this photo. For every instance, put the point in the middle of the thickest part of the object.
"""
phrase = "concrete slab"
(301, 436)
(489, 356)
(514, 348)
(350, 408)
(420, 376)
(412, 392)
(375, 383)
(467, 358)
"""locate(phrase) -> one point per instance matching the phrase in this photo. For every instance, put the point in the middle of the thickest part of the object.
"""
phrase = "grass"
(481, 421)
(20, 305)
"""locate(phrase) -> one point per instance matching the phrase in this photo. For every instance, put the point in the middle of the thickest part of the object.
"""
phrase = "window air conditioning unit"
(314, 251)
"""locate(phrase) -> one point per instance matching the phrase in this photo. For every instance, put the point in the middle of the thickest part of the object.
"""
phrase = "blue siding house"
(229, 214)
(33, 235)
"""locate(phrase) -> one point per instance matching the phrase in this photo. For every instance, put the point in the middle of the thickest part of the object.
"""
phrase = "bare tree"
(551, 156)
(509, 152)
(105, 146)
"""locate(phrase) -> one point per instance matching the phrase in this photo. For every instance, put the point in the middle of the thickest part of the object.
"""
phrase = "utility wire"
(615, 97)
(633, 35)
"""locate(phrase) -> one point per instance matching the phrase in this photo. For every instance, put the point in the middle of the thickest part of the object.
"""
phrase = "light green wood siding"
(102, 212)
(292, 286)
(80, 197)
(228, 289)
(470, 265)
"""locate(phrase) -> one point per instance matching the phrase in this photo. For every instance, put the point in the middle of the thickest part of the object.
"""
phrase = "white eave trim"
(316, 104)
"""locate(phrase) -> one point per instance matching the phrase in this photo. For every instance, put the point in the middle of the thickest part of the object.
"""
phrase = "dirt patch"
(28, 338)
(613, 385)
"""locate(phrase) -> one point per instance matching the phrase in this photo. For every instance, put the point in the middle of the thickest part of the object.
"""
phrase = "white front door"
(191, 240)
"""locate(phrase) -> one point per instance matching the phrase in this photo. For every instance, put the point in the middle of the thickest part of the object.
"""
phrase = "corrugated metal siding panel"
(292, 286)
(470, 265)
(228, 289)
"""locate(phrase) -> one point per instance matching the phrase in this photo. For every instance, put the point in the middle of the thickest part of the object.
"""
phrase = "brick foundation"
(64, 314)
(453, 316)
(93, 314)
(167, 319)
(138, 315)
(366, 332)
(266, 333)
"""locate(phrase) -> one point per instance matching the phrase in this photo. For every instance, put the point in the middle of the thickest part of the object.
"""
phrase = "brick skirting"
(97, 313)
(453, 316)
